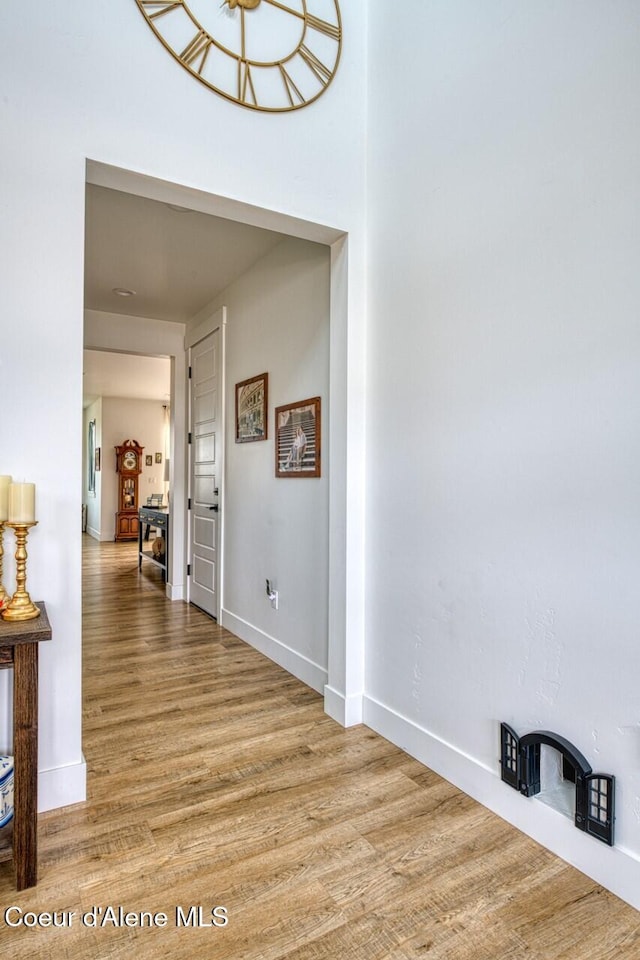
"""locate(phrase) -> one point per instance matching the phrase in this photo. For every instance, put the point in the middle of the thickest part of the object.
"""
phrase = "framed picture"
(298, 439)
(251, 409)
(148, 459)
(97, 459)
(158, 458)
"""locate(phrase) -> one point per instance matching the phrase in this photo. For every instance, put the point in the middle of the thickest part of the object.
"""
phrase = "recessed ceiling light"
(122, 292)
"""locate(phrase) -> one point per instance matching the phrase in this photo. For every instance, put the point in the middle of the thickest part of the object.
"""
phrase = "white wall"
(278, 322)
(504, 396)
(141, 420)
(502, 381)
(97, 84)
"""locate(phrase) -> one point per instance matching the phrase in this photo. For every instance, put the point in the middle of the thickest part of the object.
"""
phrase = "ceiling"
(175, 261)
(124, 375)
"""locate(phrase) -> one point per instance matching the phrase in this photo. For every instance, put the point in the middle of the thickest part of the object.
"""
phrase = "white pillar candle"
(22, 503)
(4, 498)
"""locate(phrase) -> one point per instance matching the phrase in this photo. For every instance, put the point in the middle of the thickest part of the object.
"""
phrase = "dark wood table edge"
(22, 639)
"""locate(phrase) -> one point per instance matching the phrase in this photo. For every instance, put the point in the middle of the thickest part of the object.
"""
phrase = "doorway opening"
(126, 398)
(128, 328)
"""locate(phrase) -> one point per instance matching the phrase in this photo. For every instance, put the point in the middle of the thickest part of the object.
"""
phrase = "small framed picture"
(97, 459)
(298, 439)
(148, 460)
(251, 409)
(158, 458)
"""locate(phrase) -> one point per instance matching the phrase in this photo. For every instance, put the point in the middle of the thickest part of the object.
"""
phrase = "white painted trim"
(615, 868)
(62, 786)
(347, 711)
(347, 459)
(177, 560)
(142, 185)
(222, 481)
(174, 591)
(295, 663)
(93, 533)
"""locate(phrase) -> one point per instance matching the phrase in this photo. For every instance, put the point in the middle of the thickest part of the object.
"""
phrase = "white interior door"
(206, 451)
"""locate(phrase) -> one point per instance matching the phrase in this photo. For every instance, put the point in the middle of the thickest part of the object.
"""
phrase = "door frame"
(217, 321)
(344, 690)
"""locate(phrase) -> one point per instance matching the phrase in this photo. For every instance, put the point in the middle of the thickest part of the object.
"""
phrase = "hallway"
(215, 779)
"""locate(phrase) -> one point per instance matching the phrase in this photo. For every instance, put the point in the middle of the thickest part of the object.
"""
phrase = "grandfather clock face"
(262, 54)
(130, 461)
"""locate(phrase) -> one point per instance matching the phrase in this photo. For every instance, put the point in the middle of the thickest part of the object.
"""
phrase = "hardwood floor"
(215, 779)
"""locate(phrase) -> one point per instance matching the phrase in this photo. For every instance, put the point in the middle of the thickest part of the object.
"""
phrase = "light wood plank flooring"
(216, 779)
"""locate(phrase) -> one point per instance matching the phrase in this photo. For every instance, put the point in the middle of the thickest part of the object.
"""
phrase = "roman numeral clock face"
(262, 54)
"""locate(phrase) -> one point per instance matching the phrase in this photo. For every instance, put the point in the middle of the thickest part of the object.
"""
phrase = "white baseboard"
(347, 711)
(93, 533)
(62, 786)
(615, 868)
(295, 663)
(174, 591)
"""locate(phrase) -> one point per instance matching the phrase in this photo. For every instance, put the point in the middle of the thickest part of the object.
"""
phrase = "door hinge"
(189, 438)
(189, 504)
(189, 373)
(188, 569)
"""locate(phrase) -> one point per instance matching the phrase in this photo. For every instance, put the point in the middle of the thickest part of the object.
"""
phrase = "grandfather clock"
(129, 468)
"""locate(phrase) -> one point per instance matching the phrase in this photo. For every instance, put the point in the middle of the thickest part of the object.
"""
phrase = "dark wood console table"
(157, 518)
(19, 649)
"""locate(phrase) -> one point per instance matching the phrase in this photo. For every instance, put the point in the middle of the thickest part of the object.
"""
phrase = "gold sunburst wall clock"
(261, 54)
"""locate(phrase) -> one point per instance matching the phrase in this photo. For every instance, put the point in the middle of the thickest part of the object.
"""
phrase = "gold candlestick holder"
(21, 607)
(4, 596)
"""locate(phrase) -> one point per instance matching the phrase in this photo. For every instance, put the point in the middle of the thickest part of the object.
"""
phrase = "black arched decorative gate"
(595, 792)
